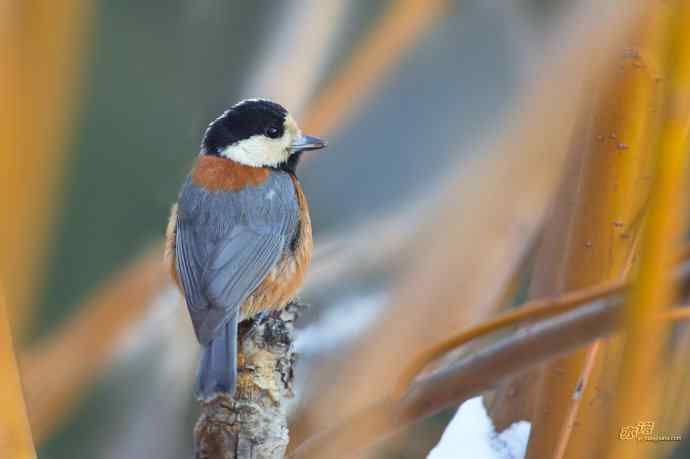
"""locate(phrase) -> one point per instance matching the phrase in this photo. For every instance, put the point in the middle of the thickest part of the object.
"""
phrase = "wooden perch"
(253, 425)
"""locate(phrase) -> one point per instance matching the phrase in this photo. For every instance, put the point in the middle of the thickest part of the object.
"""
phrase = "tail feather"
(217, 372)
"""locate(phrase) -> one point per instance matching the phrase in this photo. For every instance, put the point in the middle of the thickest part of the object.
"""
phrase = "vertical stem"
(630, 110)
(646, 331)
(41, 42)
(505, 200)
(591, 238)
(15, 432)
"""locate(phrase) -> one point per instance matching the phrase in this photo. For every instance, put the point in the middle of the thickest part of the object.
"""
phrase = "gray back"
(227, 242)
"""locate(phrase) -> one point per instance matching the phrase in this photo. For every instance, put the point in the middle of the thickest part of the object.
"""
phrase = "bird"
(239, 238)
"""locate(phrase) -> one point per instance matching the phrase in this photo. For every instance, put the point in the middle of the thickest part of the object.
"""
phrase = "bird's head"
(258, 133)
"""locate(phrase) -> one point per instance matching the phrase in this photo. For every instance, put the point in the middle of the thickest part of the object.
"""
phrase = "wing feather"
(227, 243)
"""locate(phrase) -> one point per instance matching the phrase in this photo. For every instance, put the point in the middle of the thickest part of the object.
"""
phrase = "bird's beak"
(307, 142)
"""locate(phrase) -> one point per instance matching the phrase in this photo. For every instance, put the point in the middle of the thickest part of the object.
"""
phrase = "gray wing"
(226, 244)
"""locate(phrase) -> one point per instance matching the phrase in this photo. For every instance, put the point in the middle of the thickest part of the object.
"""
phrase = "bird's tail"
(217, 372)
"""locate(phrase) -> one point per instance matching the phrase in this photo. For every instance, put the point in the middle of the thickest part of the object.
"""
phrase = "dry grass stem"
(15, 432)
(506, 193)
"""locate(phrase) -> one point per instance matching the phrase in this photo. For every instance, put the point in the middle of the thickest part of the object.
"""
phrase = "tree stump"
(253, 424)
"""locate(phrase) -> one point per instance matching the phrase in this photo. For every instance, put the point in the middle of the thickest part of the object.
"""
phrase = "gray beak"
(307, 142)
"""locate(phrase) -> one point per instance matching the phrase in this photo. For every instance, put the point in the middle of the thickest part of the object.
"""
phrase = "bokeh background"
(130, 87)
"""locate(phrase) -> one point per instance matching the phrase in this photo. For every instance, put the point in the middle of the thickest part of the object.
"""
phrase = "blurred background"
(108, 104)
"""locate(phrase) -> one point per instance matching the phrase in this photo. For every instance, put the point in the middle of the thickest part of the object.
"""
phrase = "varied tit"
(239, 238)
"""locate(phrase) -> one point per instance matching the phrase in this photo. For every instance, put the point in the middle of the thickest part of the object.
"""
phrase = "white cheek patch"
(259, 151)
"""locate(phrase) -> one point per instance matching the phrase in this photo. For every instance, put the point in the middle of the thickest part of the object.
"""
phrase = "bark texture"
(253, 425)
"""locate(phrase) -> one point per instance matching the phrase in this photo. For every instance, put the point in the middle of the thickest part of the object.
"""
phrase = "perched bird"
(239, 238)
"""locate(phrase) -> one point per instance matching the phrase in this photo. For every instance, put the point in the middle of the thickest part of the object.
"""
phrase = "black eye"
(273, 132)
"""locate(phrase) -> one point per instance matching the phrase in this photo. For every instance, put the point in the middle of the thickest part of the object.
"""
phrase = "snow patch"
(471, 434)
